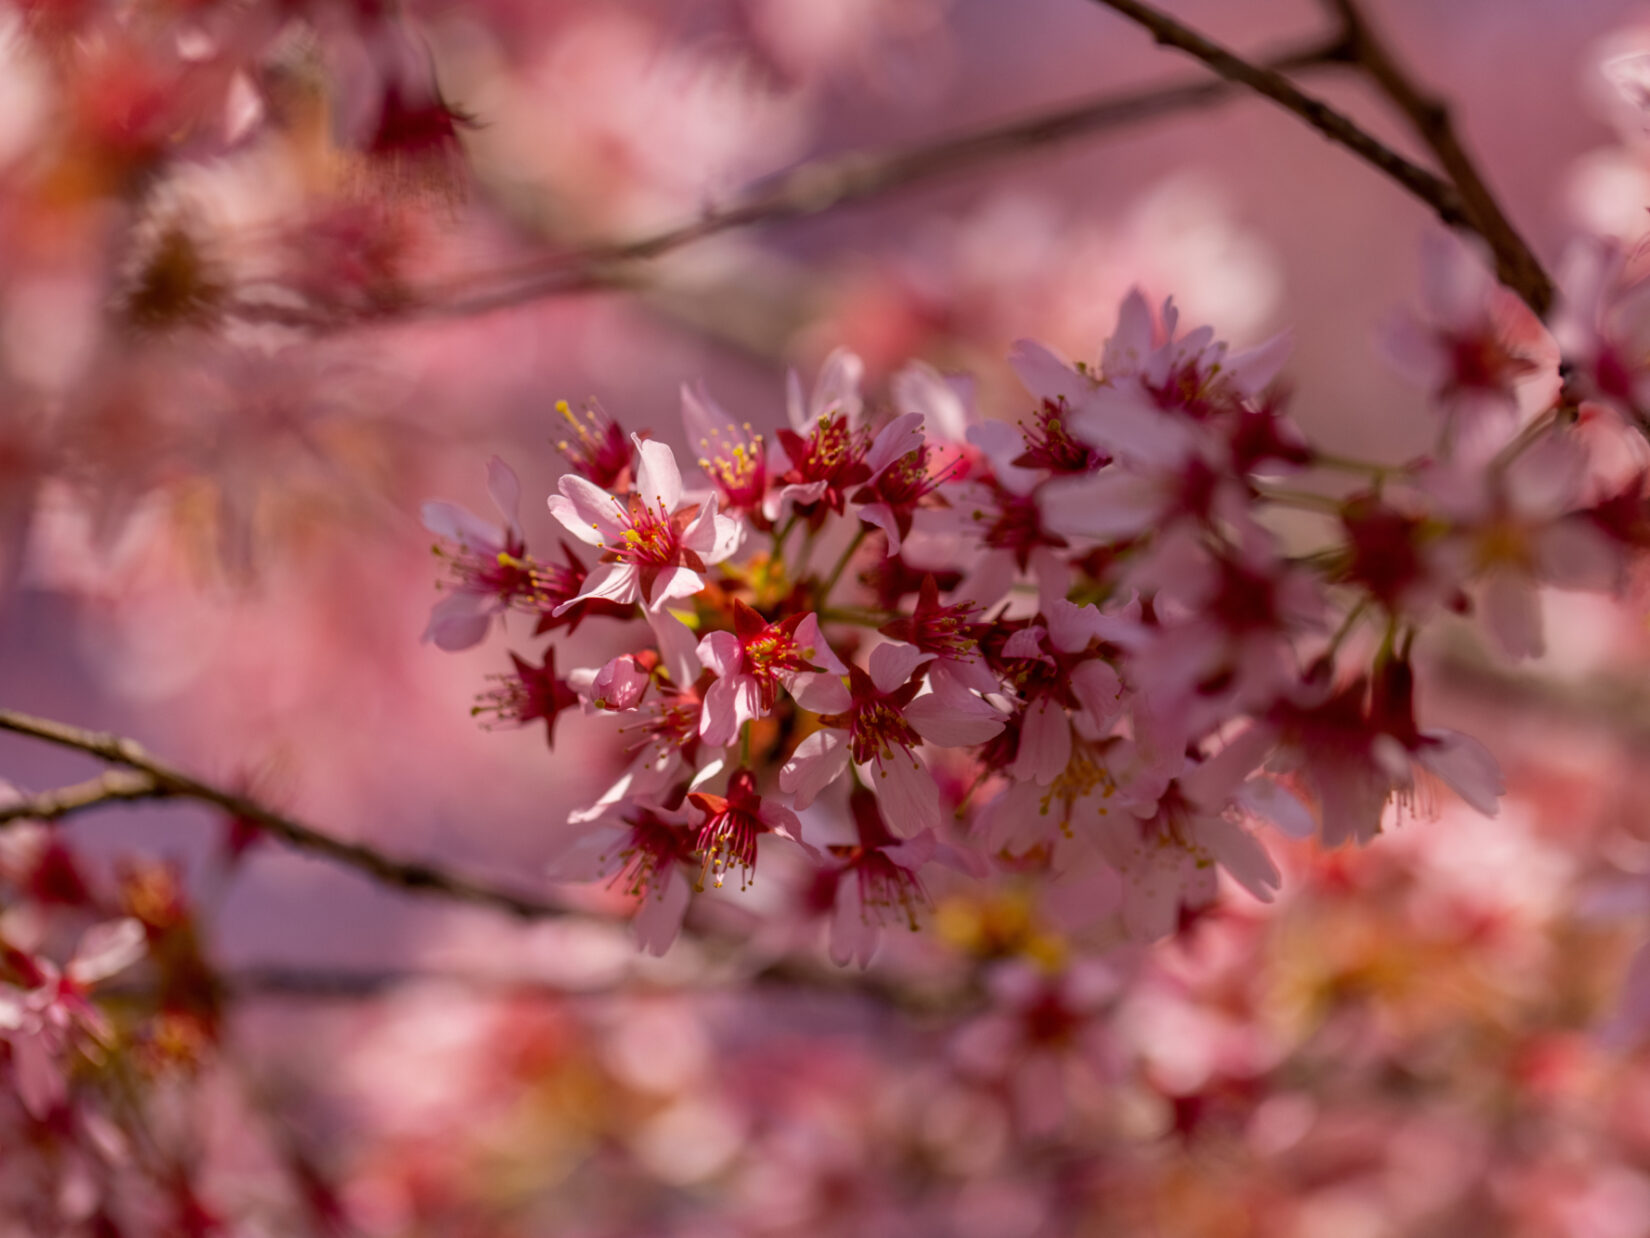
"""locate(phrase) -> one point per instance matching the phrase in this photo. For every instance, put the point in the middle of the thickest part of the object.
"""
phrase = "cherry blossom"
(656, 545)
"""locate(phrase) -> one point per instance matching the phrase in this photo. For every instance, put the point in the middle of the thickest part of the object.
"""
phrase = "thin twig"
(809, 189)
(115, 787)
(165, 782)
(1431, 189)
(1516, 264)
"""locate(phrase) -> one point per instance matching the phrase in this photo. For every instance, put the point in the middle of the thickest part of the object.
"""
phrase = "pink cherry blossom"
(752, 663)
(490, 570)
(656, 544)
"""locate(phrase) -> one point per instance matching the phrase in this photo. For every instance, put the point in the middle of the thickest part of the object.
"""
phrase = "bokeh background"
(209, 514)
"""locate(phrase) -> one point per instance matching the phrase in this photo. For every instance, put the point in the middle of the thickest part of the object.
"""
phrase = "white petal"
(616, 582)
(676, 646)
(107, 948)
(674, 583)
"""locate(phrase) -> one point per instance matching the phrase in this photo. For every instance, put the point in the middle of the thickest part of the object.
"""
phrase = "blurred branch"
(115, 787)
(1469, 206)
(148, 778)
(1516, 265)
(825, 184)
(326, 984)
(1615, 704)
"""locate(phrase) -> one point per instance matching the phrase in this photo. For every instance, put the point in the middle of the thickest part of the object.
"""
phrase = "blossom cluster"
(1082, 641)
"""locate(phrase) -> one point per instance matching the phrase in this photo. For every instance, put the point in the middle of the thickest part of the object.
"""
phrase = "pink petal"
(40, 1081)
(703, 419)
(893, 663)
(1241, 855)
(1108, 505)
(906, 790)
(721, 652)
(1131, 343)
(459, 621)
(587, 511)
(1271, 801)
(1466, 766)
(658, 480)
(1071, 627)
(817, 762)
(505, 487)
(719, 719)
(899, 437)
(1512, 611)
(854, 938)
(821, 693)
(1045, 373)
(461, 525)
(952, 717)
(1251, 371)
(1045, 743)
(658, 919)
(920, 388)
(837, 388)
(1100, 692)
(671, 584)
(817, 651)
(881, 516)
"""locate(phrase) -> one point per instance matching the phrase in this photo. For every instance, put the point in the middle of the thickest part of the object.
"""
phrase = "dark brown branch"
(825, 184)
(1431, 189)
(1516, 265)
(151, 779)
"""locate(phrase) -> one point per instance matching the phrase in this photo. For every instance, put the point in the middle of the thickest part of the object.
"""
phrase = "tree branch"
(117, 786)
(1516, 265)
(809, 189)
(1444, 199)
(151, 779)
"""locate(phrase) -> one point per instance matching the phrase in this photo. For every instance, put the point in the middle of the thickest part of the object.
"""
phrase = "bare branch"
(809, 189)
(114, 787)
(1516, 265)
(165, 782)
(1431, 189)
